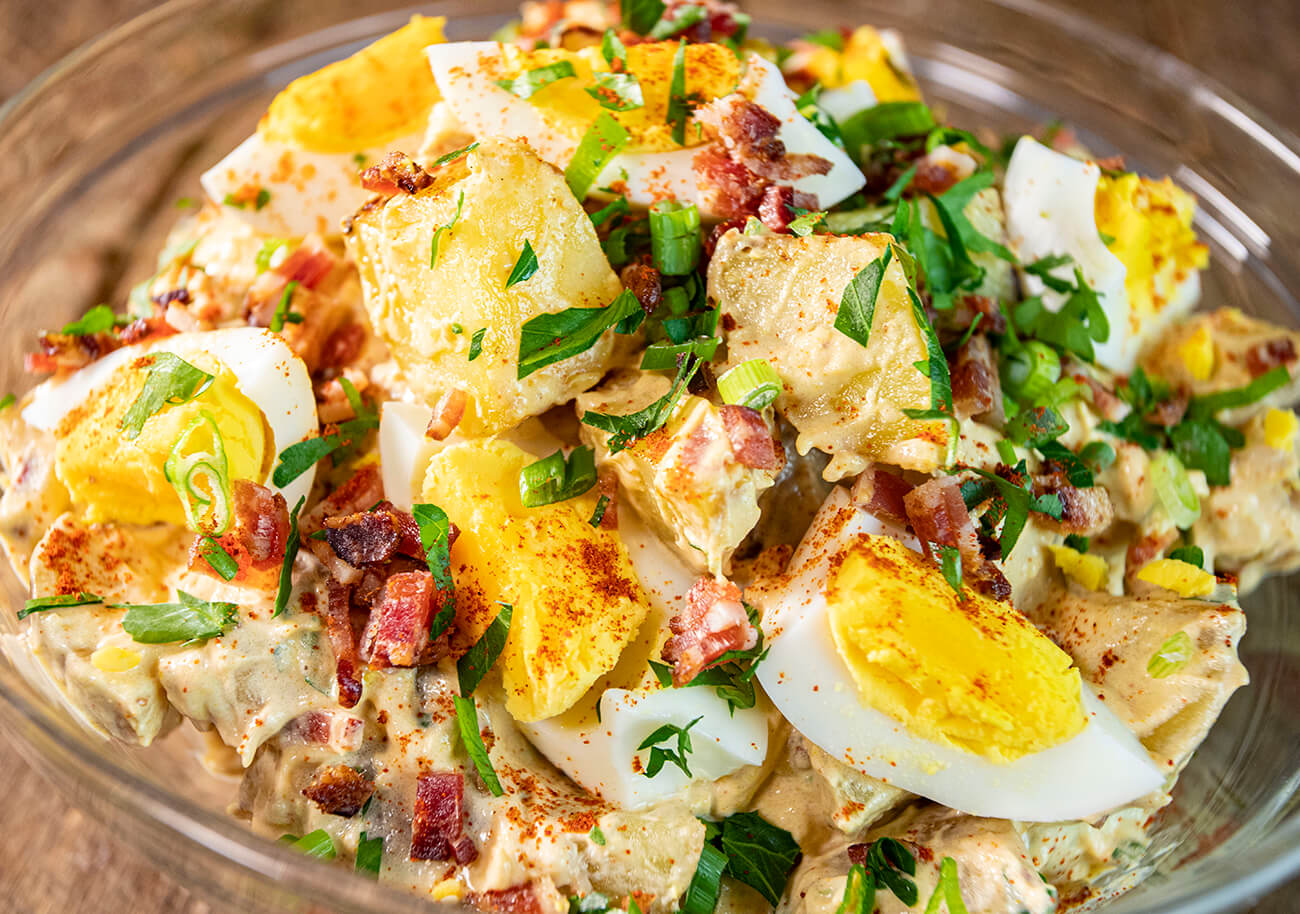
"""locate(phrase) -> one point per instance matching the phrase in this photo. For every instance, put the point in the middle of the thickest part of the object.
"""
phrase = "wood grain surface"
(54, 860)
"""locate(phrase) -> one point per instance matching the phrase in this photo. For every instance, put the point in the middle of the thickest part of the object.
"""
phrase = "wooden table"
(53, 860)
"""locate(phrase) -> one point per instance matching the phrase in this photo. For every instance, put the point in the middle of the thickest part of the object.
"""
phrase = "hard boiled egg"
(964, 703)
(260, 399)
(1144, 271)
(298, 173)
(596, 742)
(652, 167)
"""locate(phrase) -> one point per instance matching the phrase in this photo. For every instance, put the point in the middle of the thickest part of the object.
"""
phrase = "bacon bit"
(749, 135)
(343, 640)
(726, 186)
(1144, 549)
(437, 828)
(339, 790)
(722, 20)
(883, 495)
(607, 485)
(447, 413)
(989, 580)
(776, 209)
(752, 443)
(976, 386)
(68, 352)
(337, 731)
(374, 536)
(713, 622)
(398, 631)
(940, 518)
(643, 281)
(363, 490)
(858, 854)
(1085, 512)
(172, 296)
(1110, 163)
(257, 537)
(1108, 405)
(1169, 412)
(397, 173)
(308, 263)
(145, 329)
(519, 899)
(932, 177)
(342, 347)
(1269, 354)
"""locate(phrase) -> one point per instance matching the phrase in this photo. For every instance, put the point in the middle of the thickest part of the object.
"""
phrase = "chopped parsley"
(316, 844)
(474, 665)
(435, 538)
(598, 515)
(99, 319)
(171, 380)
(452, 156)
(597, 836)
(659, 755)
(950, 565)
(679, 105)
(527, 84)
(467, 723)
(218, 558)
(641, 16)
(758, 853)
(476, 343)
(549, 338)
(617, 91)
(1192, 555)
(188, 619)
(626, 430)
(282, 313)
(445, 229)
(370, 855)
(298, 458)
(525, 266)
(62, 601)
(285, 587)
(858, 302)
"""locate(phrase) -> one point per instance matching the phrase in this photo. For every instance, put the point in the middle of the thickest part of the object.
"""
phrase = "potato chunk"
(429, 315)
(688, 477)
(779, 296)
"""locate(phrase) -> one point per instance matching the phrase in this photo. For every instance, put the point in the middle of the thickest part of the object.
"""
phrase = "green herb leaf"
(553, 479)
(467, 721)
(624, 430)
(948, 890)
(549, 338)
(524, 267)
(940, 381)
(684, 17)
(857, 307)
(604, 139)
(679, 106)
(706, 885)
(597, 836)
(7, 401)
(298, 458)
(218, 558)
(759, 854)
(1036, 426)
(476, 343)
(474, 665)
(1192, 555)
(1043, 268)
(285, 587)
(885, 121)
(804, 224)
(660, 755)
(1201, 445)
(189, 619)
(950, 563)
(171, 380)
(668, 356)
(99, 319)
(598, 515)
(268, 251)
(452, 156)
(613, 50)
(41, 604)
(827, 38)
(525, 85)
(1076, 470)
(435, 538)
(640, 16)
(1258, 389)
(1174, 654)
(617, 91)
(282, 313)
(446, 228)
(370, 855)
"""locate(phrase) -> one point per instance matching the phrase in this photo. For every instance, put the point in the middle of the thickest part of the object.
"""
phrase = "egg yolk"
(972, 673)
(576, 600)
(381, 93)
(711, 71)
(1151, 224)
(111, 477)
(866, 58)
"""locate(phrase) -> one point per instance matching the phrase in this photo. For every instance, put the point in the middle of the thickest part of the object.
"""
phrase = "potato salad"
(628, 465)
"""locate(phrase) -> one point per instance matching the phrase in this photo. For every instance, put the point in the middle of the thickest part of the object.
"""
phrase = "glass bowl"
(93, 154)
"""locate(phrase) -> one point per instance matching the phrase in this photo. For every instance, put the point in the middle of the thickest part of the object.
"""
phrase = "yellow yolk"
(864, 57)
(1151, 224)
(1197, 353)
(576, 599)
(1280, 426)
(115, 478)
(974, 674)
(382, 92)
(1089, 570)
(1183, 578)
(712, 71)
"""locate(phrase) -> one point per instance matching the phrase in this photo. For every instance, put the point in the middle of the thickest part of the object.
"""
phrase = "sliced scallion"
(1174, 489)
(754, 384)
(675, 239)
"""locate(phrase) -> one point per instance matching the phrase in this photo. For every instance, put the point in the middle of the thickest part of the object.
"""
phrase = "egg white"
(600, 755)
(265, 369)
(1101, 768)
(462, 71)
(309, 191)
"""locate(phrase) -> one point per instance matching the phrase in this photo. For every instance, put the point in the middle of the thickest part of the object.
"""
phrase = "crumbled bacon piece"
(932, 177)
(373, 536)
(154, 327)
(643, 281)
(343, 640)
(607, 485)
(335, 730)
(940, 518)
(447, 413)
(178, 296)
(713, 622)
(70, 352)
(1269, 354)
(397, 173)
(1085, 512)
(882, 495)
(1111, 163)
(257, 536)
(437, 828)
(750, 438)
(398, 631)
(342, 347)
(1109, 406)
(1169, 412)
(1145, 548)
(711, 244)
(518, 899)
(339, 790)
(721, 20)
(976, 386)
(776, 209)
(308, 263)
(727, 187)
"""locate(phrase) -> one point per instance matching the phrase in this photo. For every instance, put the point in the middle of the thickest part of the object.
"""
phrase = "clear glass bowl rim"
(300, 882)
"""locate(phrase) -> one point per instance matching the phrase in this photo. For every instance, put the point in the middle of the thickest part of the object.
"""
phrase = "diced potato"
(428, 315)
(684, 478)
(779, 295)
(576, 600)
